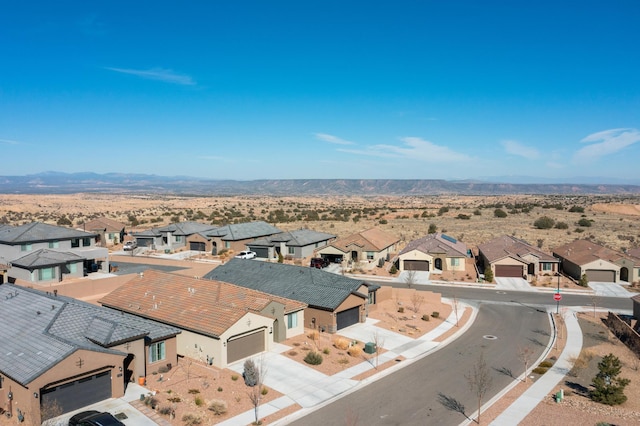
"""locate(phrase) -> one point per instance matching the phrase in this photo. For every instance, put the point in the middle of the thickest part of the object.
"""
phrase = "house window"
(370, 255)
(227, 244)
(455, 261)
(86, 242)
(292, 320)
(291, 250)
(54, 244)
(25, 247)
(73, 268)
(156, 352)
(546, 266)
(372, 298)
(45, 274)
(75, 243)
(178, 238)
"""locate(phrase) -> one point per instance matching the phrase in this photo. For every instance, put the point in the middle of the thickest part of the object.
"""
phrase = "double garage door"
(416, 265)
(77, 394)
(245, 346)
(513, 271)
(197, 246)
(602, 276)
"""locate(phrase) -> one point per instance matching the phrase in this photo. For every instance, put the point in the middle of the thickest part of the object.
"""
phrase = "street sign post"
(557, 297)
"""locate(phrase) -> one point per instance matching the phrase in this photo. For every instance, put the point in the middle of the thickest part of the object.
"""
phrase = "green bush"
(499, 213)
(561, 225)
(313, 358)
(264, 391)
(435, 314)
(425, 317)
(198, 401)
(544, 222)
(545, 364)
(393, 270)
(383, 222)
(584, 223)
(488, 274)
(326, 351)
(234, 377)
(576, 209)
(540, 370)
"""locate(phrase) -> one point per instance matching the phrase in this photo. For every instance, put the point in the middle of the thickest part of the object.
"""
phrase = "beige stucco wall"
(299, 329)
(171, 356)
(330, 250)
(248, 323)
(198, 347)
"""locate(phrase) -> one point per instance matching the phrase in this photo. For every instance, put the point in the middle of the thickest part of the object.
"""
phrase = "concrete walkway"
(310, 388)
(519, 409)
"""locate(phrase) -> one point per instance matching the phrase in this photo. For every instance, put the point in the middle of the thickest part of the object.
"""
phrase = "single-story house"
(334, 301)
(60, 354)
(237, 236)
(433, 252)
(109, 232)
(40, 253)
(598, 263)
(634, 254)
(296, 244)
(173, 236)
(221, 323)
(370, 245)
(512, 257)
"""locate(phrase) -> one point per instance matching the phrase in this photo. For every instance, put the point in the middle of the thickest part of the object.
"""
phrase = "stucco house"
(237, 236)
(173, 236)
(109, 232)
(334, 301)
(370, 245)
(512, 257)
(634, 254)
(40, 253)
(60, 354)
(598, 263)
(434, 252)
(220, 323)
(296, 244)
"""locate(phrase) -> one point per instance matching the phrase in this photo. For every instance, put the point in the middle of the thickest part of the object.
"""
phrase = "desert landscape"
(610, 220)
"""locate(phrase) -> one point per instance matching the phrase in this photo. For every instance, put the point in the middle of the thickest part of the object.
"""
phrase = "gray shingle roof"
(243, 231)
(38, 231)
(187, 228)
(44, 257)
(296, 238)
(315, 287)
(437, 243)
(45, 329)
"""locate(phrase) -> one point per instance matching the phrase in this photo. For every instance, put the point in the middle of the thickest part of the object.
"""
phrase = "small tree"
(432, 228)
(255, 374)
(417, 300)
(584, 281)
(410, 278)
(488, 274)
(479, 381)
(250, 374)
(608, 387)
(524, 355)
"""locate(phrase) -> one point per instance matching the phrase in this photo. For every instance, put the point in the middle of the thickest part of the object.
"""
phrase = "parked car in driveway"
(319, 262)
(247, 254)
(94, 418)
(130, 245)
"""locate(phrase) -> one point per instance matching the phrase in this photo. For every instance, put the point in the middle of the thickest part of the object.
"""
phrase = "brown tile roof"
(582, 252)
(634, 252)
(109, 225)
(437, 243)
(507, 246)
(206, 306)
(373, 239)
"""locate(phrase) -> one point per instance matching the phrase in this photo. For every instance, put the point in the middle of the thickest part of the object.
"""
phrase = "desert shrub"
(442, 210)
(383, 222)
(194, 391)
(584, 223)
(313, 358)
(344, 360)
(435, 314)
(191, 419)
(223, 252)
(174, 399)
(218, 407)
(151, 401)
(463, 216)
(165, 410)
(251, 373)
(545, 364)
(341, 343)
(234, 377)
(540, 370)
(355, 351)
(488, 274)
(544, 222)
(264, 391)
(393, 270)
(292, 353)
(499, 213)
(219, 388)
(401, 309)
(562, 225)
(326, 351)
(576, 209)
(313, 335)
(584, 281)
(198, 401)
(425, 317)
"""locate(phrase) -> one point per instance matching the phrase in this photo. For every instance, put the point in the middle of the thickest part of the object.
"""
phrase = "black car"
(94, 418)
(319, 262)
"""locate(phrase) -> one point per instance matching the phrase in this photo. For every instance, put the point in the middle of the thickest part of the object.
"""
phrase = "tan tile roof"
(205, 306)
(507, 246)
(634, 252)
(373, 239)
(582, 252)
(103, 223)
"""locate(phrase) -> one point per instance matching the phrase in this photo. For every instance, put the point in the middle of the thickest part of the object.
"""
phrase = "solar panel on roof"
(448, 238)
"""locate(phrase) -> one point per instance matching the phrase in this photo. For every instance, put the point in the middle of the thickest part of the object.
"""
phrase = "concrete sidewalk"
(311, 389)
(519, 409)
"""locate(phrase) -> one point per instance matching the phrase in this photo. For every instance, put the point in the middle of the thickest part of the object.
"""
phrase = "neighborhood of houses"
(61, 351)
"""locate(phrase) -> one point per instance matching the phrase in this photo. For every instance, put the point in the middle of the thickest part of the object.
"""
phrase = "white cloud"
(516, 148)
(605, 143)
(332, 139)
(160, 74)
(10, 142)
(414, 149)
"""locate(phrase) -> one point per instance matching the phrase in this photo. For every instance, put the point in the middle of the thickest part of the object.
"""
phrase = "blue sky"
(322, 89)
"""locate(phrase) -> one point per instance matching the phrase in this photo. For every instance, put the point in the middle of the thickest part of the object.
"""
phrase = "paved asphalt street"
(433, 390)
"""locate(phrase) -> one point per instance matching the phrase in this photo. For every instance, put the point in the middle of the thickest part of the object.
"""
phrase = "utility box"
(370, 348)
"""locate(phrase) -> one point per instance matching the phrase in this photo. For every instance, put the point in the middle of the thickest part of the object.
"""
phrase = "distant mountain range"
(68, 183)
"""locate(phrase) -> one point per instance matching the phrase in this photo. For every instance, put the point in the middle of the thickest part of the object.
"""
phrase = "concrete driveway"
(507, 283)
(419, 277)
(610, 289)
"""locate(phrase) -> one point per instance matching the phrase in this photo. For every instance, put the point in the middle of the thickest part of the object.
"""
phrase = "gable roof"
(45, 257)
(296, 238)
(373, 239)
(582, 252)
(45, 329)
(204, 306)
(634, 252)
(315, 287)
(243, 231)
(186, 228)
(508, 246)
(438, 243)
(37, 232)
(103, 223)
